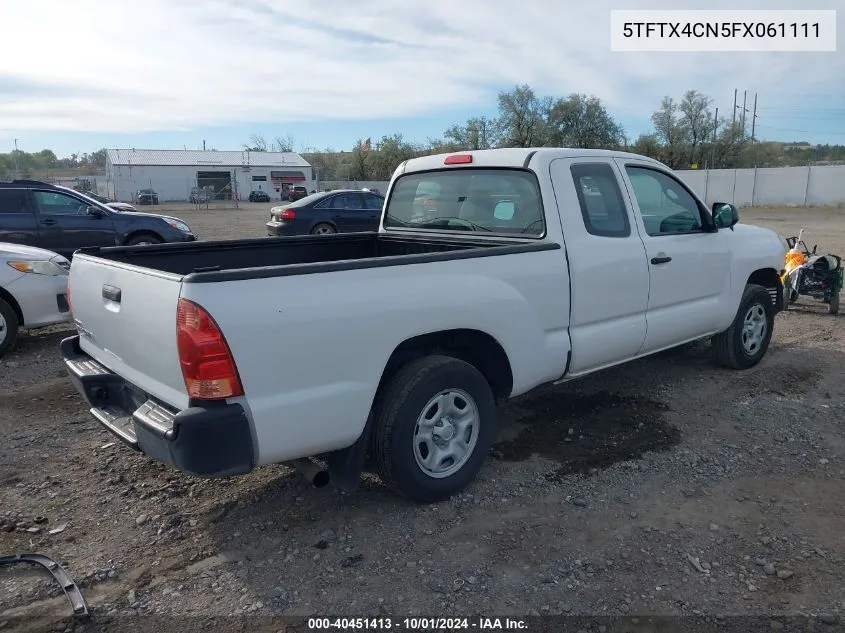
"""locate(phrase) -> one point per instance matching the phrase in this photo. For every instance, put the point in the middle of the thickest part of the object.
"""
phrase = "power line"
(785, 129)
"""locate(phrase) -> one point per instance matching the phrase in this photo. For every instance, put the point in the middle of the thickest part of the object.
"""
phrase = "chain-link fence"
(214, 196)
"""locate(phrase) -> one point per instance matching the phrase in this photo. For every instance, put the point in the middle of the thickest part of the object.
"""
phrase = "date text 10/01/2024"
(416, 624)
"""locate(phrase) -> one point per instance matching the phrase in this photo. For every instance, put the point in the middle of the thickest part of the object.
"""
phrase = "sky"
(78, 76)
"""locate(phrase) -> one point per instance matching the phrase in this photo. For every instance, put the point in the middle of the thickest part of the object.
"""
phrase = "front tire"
(745, 342)
(144, 240)
(434, 424)
(8, 327)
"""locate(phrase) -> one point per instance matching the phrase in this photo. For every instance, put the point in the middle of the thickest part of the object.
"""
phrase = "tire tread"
(12, 326)
(725, 343)
(389, 418)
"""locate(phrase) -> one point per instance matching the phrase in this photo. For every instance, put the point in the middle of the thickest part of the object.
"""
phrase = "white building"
(172, 174)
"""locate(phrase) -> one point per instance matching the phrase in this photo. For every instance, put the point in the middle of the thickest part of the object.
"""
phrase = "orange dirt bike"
(806, 273)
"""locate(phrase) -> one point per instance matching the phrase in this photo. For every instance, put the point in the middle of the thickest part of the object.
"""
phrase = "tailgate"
(126, 316)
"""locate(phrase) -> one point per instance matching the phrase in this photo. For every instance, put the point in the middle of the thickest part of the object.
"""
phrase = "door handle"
(112, 293)
(49, 222)
(661, 260)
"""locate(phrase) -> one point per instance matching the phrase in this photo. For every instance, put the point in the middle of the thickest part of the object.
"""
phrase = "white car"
(534, 266)
(33, 290)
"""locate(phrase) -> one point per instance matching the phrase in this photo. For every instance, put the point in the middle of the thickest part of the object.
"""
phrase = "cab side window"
(602, 205)
(666, 206)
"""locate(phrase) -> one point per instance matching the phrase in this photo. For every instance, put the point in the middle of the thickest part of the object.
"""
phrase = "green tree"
(522, 118)
(695, 120)
(582, 121)
(477, 133)
(391, 151)
(99, 158)
(359, 167)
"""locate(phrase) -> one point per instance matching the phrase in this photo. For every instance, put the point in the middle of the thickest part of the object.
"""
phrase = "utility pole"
(754, 118)
(744, 110)
(17, 170)
(713, 149)
(733, 118)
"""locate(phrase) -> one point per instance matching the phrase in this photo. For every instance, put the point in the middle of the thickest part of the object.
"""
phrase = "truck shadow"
(584, 433)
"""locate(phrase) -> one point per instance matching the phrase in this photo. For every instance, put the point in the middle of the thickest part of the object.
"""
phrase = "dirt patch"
(587, 432)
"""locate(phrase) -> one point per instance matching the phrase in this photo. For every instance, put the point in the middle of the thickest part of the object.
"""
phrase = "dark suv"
(63, 220)
(296, 193)
(259, 196)
(147, 196)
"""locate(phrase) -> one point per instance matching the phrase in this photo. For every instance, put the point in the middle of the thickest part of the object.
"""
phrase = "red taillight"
(288, 214)
(458, 159)
(207, 364)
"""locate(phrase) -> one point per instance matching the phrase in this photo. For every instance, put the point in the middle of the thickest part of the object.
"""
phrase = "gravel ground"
(662, 487)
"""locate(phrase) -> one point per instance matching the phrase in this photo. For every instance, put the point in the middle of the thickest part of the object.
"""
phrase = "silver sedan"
(33, 290)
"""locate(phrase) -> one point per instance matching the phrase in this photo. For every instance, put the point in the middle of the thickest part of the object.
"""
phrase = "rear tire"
(8, 327)
(434, 423)
(323, 229)
(745, 342)
(146, 238)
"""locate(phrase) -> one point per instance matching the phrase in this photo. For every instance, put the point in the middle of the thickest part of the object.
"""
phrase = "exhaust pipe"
(313, 472)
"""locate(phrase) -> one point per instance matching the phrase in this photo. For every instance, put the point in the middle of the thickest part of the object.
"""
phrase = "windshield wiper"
(470, 223)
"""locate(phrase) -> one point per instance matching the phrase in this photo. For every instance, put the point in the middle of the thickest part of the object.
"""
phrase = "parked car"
(295, 193)
(59, 219)
(33, 290)
(259, 196)
(519, 280)
(146, 196)
(339, 211)
(114, 204)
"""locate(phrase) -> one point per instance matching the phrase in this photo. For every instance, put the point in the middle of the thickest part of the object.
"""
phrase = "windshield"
(498, 201)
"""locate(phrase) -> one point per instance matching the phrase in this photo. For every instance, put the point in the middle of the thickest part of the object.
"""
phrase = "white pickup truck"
(492, 272)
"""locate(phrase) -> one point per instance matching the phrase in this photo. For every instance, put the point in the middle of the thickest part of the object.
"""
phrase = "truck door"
(689, 266)
(609, 276)
(17, 218)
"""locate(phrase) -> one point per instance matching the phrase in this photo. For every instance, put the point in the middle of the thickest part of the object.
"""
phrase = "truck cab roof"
(518, 157)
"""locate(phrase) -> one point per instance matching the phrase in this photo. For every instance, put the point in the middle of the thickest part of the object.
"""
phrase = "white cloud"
(111, 66)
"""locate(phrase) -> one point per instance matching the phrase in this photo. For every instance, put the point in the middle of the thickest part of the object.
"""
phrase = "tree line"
(685, 134)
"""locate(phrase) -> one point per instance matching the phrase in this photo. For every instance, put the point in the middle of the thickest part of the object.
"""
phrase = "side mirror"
(725, 215)
(96, 212)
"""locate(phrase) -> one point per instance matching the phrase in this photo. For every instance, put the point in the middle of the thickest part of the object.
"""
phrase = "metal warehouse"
(174, 174)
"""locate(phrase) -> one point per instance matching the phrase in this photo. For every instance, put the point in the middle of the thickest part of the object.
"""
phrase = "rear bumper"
(280, 229)
(212, 440)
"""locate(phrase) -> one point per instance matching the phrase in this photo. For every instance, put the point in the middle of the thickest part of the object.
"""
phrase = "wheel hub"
(444, 430)
(446, 433)
(754, 329)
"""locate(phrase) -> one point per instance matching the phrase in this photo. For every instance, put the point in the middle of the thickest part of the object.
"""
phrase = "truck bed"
(229, 260)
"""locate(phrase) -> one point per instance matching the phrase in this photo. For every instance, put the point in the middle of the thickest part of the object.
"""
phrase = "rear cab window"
(602, 205)
(499, 201)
